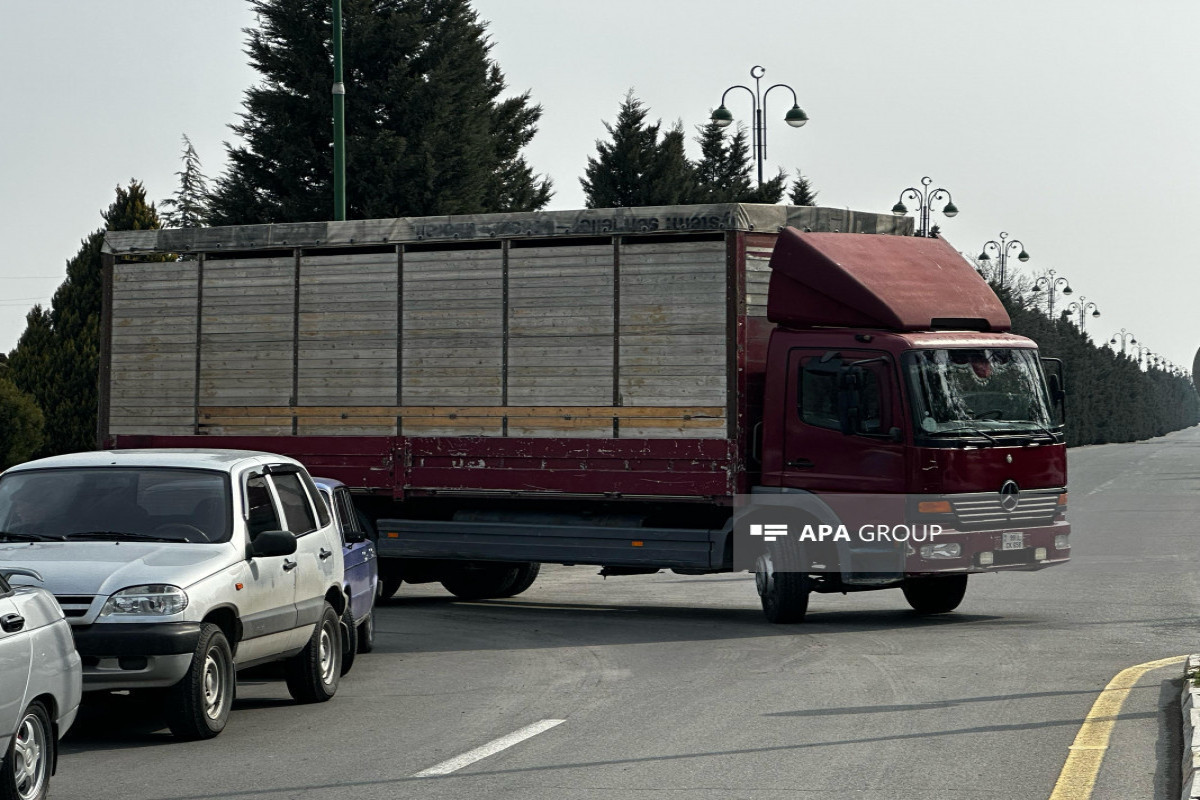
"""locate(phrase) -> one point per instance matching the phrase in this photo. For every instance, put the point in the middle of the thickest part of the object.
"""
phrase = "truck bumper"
(134, 655)
(988, 551)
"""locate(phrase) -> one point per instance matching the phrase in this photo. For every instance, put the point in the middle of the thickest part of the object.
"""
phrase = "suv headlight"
(153, 600)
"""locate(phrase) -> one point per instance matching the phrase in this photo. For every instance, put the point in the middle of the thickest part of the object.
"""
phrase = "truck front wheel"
(935, 595)
(784, 595)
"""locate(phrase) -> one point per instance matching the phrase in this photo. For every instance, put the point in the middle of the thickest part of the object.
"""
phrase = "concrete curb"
(1190, 707)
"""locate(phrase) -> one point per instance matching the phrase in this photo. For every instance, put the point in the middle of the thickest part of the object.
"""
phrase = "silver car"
(40, 685)
(176, 568)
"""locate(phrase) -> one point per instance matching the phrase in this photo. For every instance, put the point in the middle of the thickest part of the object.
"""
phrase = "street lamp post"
(925, 199)
(1082, 308)
(1142, 354)
(1123, 338)
(339, 118)
(1051, 284)
(795, 117)
(1002, 249)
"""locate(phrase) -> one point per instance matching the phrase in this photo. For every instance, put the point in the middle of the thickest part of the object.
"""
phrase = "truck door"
(840, 441)
(818, 454)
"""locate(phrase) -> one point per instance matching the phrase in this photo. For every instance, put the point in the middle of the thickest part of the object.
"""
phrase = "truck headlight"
(150, 600)
(944, 550)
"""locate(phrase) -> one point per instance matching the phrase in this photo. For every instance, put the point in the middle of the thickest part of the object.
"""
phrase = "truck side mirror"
(850, 399)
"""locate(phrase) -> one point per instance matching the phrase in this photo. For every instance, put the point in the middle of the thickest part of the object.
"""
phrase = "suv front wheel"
(200, 703)
(313, 673)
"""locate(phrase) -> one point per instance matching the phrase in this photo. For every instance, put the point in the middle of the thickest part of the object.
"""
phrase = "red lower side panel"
(699, 468)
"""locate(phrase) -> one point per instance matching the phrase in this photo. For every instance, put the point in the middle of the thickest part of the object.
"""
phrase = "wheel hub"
(29, 769)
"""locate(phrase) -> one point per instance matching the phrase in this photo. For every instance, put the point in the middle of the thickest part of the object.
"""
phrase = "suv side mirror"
(272, 543)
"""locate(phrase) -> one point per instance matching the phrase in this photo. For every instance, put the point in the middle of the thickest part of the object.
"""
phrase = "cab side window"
(296, 509)
(818, 392)
(263, 516)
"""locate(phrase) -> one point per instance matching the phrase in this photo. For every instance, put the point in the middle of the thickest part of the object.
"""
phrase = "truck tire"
(25, 773)
(935, 595)
(388, 585)
(481, 583)
(313, 673)
(349, 640)
(784, 595)
(522, 578)
(199, 705)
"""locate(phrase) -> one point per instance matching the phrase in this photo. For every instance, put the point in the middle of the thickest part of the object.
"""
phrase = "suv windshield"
(977, 391)
(164, 504)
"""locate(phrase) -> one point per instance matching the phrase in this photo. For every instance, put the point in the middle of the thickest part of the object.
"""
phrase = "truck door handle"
(324, 554)
(289, 565)
(801, 463)
(11, 623)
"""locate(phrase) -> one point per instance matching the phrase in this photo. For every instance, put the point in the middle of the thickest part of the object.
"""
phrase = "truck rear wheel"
(523, 577)
(784, 595)
(492, 580)
(935, 595)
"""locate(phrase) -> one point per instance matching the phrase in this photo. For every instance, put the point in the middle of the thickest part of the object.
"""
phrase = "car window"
(263, 516)
(296, 509)
(345, 511)
(322, 509)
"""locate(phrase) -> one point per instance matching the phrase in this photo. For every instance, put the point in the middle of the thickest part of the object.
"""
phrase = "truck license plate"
(1013, 541)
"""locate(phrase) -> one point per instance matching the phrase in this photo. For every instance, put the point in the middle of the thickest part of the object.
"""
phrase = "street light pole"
(1082, 308)
(1142, 354)
(339, 118)
(1002, 248)
(795, 117)
(1051, 283)
(1123, 338)
(925, 198)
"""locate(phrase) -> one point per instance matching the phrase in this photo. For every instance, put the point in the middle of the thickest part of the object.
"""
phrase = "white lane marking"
(489, 749)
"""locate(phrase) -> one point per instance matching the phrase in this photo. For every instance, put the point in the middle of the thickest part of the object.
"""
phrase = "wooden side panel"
(758, 276)
(560, 336)
(153, 358)
(347, 342)
(453, 337)
(246, 340)
(673, 331)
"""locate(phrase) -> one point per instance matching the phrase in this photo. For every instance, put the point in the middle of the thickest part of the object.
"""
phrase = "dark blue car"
(362, 571)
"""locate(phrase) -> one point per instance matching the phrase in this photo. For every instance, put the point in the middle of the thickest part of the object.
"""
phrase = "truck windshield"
(114, 503)
(984, 391)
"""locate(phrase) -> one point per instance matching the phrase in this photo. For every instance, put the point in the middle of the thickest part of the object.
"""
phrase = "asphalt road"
(676, 687)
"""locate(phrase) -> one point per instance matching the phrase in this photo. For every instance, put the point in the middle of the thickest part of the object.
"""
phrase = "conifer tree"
(427, 129)
(188, 207)
(802, 192)
(636, 167)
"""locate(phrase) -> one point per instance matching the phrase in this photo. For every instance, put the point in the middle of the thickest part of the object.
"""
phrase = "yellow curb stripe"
(1078, 776)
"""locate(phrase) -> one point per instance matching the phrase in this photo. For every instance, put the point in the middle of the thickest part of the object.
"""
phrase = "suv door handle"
(11, 623)
(289, 565)
(325, 553)
(801, 463)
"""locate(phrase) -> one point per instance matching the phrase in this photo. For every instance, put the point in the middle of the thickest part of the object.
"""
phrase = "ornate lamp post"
(1142, 355)
(796, 117)
(1003, 248)
(1051, 284)
(925, 199)
(1123, 338)
(1082, 308)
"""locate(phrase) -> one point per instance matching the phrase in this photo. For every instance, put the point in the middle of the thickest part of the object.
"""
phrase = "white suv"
(175, 568)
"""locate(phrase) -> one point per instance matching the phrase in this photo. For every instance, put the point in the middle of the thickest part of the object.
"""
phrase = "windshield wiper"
(116, 536)
(973, 431)
(10, 536)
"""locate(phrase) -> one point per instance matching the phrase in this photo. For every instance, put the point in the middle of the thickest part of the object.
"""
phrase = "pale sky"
(1069, 125)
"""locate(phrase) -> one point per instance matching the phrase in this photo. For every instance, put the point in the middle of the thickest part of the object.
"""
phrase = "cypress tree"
(802, 193)
(723, 171)
(635, 167)
(427, 131)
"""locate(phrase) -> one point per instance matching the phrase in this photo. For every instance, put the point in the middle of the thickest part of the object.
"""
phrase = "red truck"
(609, 387)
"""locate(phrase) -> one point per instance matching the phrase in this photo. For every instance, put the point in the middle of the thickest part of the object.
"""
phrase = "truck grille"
(74, 605)
(1034, 508)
